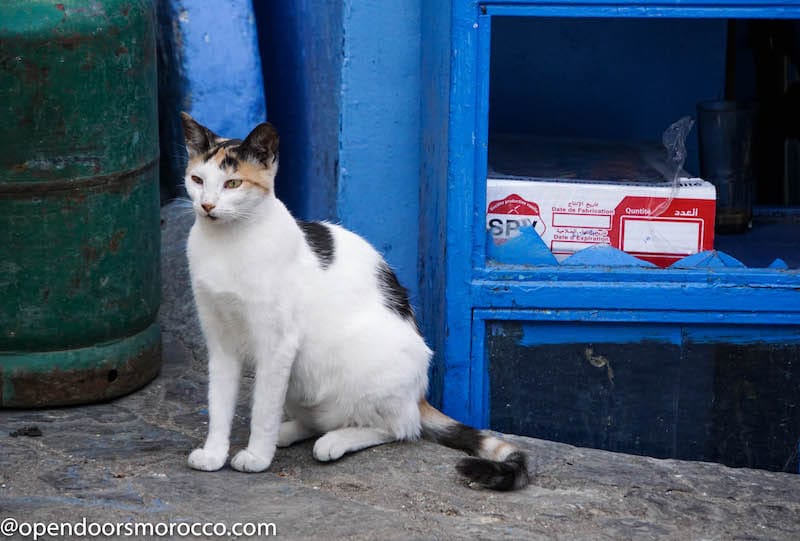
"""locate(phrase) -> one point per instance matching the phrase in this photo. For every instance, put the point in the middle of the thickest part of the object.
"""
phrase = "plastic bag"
(674, 140)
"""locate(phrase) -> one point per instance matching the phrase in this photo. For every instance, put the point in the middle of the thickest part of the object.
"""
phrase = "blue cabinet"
(700, 360)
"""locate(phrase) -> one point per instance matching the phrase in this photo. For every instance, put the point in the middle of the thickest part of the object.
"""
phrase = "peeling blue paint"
(713, 259)
(527, 248)
(605, 256)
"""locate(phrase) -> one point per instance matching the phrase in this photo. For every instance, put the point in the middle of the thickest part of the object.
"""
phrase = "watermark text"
(85, 528)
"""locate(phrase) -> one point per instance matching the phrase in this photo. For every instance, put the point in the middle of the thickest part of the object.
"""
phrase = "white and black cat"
(321, 316)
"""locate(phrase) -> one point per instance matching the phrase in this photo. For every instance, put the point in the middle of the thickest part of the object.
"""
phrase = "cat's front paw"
(248, 462)
(202, 459)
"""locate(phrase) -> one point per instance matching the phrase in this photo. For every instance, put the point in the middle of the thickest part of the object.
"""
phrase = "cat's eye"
(233, 183)
(197, 180)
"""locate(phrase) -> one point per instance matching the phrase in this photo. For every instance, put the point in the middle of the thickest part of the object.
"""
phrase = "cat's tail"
(495, 464)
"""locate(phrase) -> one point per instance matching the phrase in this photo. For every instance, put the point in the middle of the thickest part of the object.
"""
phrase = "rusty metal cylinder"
(79, 201)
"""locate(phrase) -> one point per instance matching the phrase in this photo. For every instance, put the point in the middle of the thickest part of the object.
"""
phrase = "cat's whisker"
(177, 150)
(242, 215)
(186, 212)
(184, 206)
(182, 201)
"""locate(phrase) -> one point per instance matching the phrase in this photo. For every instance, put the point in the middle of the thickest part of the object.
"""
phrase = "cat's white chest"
(221, 294)
(239, 275)
(217, 274)
(217, 268)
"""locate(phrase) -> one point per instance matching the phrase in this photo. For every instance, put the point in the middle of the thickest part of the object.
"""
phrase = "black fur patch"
(458, 436)
(230, 143)
(320, 240)
(224, 144)
(198, 138)
(510, 474)
(247, 154)
(395, 296)
(261, 145)
(229, 162)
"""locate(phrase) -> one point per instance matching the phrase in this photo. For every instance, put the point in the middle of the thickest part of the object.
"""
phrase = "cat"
(321, 317)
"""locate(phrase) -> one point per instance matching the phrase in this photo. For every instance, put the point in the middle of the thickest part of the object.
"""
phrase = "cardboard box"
(635, 209)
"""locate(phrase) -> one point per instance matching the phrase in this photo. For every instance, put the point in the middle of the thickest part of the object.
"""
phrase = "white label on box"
(656, 236)
(567, 247)
(596, 221)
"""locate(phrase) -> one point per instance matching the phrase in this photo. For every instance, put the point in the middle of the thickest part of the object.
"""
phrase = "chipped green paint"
(79, 200)
(97, 372)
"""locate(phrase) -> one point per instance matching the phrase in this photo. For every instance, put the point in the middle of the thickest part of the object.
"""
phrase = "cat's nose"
(208, 207)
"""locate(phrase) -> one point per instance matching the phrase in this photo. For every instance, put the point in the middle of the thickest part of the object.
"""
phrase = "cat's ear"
(199, 139)
(261, 145)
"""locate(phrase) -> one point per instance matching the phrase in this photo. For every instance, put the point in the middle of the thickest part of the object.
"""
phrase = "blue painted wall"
(434, 126)
(224, 68)
(209, 66)
(343, 83)
(301, 48)
(604, 78)
(378, 192)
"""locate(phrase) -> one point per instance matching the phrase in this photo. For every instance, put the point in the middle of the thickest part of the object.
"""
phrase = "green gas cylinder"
(79, 201)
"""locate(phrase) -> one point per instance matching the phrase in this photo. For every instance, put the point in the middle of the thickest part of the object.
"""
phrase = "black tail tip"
(510, 474)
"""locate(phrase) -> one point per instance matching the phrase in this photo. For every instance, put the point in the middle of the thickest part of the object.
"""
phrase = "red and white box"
(660, 224)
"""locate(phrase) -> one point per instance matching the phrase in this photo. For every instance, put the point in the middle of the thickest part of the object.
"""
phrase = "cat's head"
(229, 179)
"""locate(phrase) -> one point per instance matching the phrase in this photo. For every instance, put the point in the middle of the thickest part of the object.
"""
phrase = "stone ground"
(125, 461)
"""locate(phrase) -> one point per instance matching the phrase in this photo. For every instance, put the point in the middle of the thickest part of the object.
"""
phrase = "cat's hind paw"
(201, 459)
(246, 461)
(336, 443)
(331, 446)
